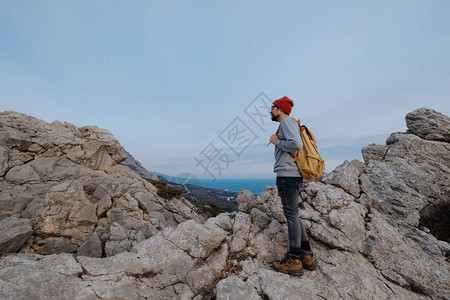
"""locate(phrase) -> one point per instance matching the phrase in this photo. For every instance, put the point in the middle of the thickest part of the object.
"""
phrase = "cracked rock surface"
(63, 190)
(363, 219)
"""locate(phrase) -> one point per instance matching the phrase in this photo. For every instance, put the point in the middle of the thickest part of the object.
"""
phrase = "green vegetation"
(207, 200)
(164, 191)
(213, 208)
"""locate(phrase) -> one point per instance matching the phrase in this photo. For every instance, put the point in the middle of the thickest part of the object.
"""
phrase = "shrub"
(158, 184)
(164, 191)
(213, 208)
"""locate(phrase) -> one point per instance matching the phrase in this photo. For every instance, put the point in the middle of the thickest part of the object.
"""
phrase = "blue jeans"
(288, 190)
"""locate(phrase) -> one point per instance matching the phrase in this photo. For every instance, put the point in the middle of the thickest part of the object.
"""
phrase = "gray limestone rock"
(14, 138)
(64, 178)
(404, 263)
(245, 199)
(346, 176)
(92, 247)
(260, 219)
(55, 245)
(40, 277)
(362, 222)
(374, 152)
(4, 159)
(342, 228)
(206, 274)
(22, 174)
(429, 124)
(324, 197)
(223, 221)
(413, 174)
(103, 205)
(115, 247)
(234, 288)
(6, 203)
(271, 244)
(197, 240)
(241, 230)
(118, 240)
(14, 232)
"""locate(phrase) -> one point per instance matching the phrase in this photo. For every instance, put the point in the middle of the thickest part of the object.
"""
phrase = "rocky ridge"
(63, 189)
(364, 221)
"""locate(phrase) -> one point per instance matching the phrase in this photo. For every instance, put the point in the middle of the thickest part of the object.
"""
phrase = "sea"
(255, 185)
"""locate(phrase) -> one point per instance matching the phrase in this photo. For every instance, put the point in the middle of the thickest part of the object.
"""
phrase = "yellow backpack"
(308, 158)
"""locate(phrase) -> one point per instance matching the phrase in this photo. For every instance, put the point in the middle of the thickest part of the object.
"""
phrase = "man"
(288, 182)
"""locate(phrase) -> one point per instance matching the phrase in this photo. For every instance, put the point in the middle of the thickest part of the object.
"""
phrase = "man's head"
(281, 108)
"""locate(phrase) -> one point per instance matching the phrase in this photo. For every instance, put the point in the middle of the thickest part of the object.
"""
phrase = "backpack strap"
(299, 126)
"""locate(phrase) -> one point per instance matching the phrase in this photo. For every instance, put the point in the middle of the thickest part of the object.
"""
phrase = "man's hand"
(273, 138)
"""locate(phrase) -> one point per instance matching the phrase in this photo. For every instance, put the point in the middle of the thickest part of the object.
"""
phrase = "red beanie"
(285, 104)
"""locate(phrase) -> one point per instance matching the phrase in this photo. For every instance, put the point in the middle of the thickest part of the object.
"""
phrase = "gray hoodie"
(289, 140)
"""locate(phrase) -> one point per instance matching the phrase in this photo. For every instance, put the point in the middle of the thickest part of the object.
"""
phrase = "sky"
(185, 85)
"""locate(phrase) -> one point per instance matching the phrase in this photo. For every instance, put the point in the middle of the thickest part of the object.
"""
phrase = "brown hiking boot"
(308, 261)
(292, 265)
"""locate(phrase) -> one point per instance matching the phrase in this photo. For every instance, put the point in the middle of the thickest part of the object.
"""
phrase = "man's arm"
(291, 132)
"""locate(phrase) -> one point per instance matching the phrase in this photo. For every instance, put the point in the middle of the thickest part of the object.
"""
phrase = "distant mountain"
(200, 196)
(193, 192)
(136, 166)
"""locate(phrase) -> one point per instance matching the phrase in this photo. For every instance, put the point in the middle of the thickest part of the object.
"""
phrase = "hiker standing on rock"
(289, 181)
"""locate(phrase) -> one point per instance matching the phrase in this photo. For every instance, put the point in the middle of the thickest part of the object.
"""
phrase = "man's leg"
(288, 191)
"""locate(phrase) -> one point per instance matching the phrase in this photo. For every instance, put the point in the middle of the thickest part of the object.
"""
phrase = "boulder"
(92, 247)
(324, 197)
(241, 231)
(429, 124)
(197, 240)
(413, 174)
(342, 228)
(14, 232)
(346, 177)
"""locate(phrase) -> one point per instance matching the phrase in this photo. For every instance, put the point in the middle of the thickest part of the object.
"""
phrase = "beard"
(275, 119)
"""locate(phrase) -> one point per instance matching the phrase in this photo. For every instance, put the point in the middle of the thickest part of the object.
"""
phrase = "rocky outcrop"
(429, 124)
(363, 220)
(406, 175)
(68, 185)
